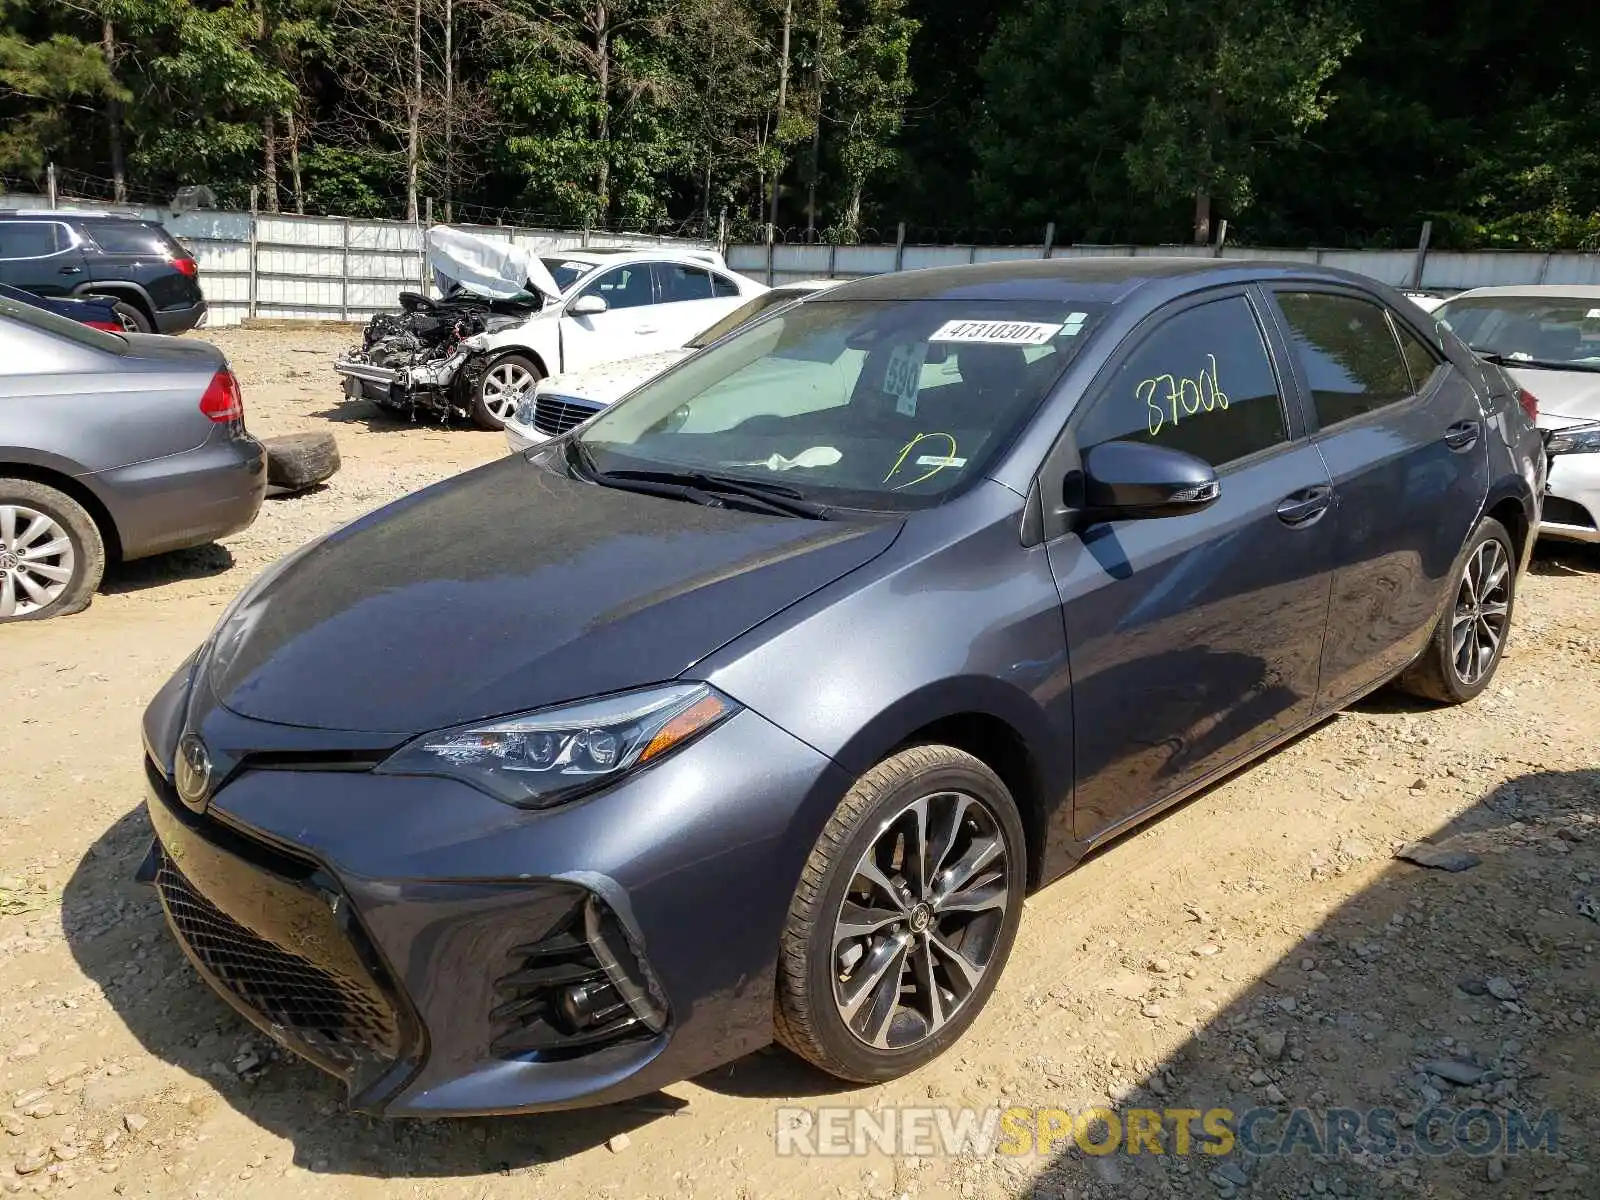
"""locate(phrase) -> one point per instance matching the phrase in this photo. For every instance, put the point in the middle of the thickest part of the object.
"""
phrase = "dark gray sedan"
(754, 706)
(112, 447)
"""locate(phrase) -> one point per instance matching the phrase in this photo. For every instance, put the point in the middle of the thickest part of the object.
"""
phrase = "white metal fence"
(1441, 271)
(320, 268)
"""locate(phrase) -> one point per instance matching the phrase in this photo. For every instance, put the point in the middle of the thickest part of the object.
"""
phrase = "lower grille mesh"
(340, 1019)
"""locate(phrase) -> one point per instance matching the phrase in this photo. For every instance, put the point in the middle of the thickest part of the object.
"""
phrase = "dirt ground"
(1258, 945)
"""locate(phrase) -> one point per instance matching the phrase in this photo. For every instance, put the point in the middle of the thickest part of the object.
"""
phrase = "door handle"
(71, 271)
(1463, 435)
(1306, 505)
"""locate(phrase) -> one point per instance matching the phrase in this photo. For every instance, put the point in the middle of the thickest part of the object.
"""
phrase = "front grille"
(553, 415)
(1564, 512)
(341, 1020)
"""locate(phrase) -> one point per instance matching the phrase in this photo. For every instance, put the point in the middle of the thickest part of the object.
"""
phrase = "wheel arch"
(79, 491)
(121, 290)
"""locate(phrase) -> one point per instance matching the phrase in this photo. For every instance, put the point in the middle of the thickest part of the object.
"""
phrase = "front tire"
(1467, 644)
(502, 387)
(904, 917)
(52, 557)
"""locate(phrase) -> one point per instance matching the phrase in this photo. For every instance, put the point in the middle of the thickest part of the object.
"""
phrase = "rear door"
(1402, 433)
(1194, 639)
(690, 302)
(42, 257)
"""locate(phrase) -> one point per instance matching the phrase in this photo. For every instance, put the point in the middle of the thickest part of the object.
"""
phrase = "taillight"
(187, 266)
(108, 326)
(1529, 402)
(222, 401)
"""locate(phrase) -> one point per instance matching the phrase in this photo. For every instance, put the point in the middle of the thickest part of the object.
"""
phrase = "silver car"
(112, 447)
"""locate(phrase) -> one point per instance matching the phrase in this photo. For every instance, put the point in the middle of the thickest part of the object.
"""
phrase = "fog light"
(584, 1005)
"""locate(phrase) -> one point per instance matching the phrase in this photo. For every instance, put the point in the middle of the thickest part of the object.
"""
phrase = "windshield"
(862, 404)
(747, 311)
(1550, 331)
(566, 271)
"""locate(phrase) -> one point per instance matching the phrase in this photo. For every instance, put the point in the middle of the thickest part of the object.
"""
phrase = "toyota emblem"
(193, 771)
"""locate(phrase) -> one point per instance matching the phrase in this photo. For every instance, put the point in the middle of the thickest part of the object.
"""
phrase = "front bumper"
(186, 499)
(1572, 499)
(520, 436)
(435, 902)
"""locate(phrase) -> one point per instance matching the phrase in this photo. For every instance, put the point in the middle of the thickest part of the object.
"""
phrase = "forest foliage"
(1325, 122)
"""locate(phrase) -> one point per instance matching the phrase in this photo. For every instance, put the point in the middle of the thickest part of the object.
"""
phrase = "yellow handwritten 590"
(1168, 398)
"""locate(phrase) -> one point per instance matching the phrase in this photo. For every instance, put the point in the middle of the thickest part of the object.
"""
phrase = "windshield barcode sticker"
(997, 333)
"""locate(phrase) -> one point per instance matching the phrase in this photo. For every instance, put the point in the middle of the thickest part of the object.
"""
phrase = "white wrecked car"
(564, 401)
(506, 318)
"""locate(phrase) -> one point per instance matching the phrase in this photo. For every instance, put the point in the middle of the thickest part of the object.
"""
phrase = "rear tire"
(882, 965)
(1469, 641)
(508, 379)
(52, 556)
(297, 461)
(132, 318)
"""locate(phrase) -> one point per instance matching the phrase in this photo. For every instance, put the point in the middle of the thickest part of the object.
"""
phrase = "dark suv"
(138, 264)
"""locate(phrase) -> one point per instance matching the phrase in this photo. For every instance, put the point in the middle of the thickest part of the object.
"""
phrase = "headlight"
(551, 756)
(1580, 440)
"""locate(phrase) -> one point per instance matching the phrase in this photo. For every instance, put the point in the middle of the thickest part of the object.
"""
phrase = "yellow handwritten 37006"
(1168, 398)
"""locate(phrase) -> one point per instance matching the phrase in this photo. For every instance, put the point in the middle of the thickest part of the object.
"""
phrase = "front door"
(1402, 431)
(630, 325)
(1194, 639)
(41, 257)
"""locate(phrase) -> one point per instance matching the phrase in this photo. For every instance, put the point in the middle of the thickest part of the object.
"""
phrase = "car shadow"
(1563, 559)
(197, 562)
(381, 420)
(1437, 993)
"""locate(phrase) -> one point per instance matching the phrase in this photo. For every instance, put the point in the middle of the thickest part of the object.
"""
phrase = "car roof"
(1573, 291)
(1110, 278)
(65, 214)
(596, 256)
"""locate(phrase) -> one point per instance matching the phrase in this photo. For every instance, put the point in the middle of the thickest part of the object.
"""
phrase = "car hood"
(509, 588)
(1564, 396)
(605, 384)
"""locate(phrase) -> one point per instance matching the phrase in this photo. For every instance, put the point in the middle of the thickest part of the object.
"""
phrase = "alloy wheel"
(37, 561)
(504, 386)
(920, 921)
(1483, 605)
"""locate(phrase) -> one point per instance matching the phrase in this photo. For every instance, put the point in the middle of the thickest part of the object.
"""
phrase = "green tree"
(48, 80)
(867, 95)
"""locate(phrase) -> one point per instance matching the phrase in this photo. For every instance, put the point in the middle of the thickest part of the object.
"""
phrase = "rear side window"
(680, 282)
(1421, 360)
(31, 239)
(130, 237)
(1200, 382)
(1348, 352)
(723, 287)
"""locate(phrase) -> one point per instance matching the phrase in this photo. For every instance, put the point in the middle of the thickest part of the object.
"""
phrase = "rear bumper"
(180, 320)
(1572, 499)
(186, 499)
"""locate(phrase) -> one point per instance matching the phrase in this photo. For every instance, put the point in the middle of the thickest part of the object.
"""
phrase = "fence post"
(255, 238)
(50, 183)
(584, 239)
(1049, 240)
(1544, 267)
(833, 258)
(972, 253)
(1422, 254)
(899, 245)
(1222, 237)
(344, 269)
(722, 231)
(422, 245)
(771, 238)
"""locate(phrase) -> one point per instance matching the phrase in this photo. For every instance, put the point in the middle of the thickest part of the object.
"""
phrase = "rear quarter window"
(130, 237)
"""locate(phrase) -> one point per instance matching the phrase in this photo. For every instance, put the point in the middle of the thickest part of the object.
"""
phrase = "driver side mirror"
(587, 305)
(1124, 481)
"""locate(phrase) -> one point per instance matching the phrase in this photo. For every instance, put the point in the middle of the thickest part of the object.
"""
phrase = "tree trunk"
(449, 109)
(414, 112)
(705, 198)
(269, 161)
(602, 50)
(294, 164)
(783, 98)
(852, 210)
(1202, 216)
(119, 176)
(816, 130)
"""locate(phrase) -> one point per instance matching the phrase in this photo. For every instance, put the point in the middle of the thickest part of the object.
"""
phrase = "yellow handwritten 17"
(1168, 398)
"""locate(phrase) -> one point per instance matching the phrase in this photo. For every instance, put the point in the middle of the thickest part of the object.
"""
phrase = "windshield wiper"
(1534, 364)
(704, 487)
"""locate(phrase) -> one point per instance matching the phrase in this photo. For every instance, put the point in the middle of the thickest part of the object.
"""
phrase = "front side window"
(1556, 332)
(680, 282)
(623, 287)
(1348, 353)
(871, 404)
(30, 239)
(1200, 382)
